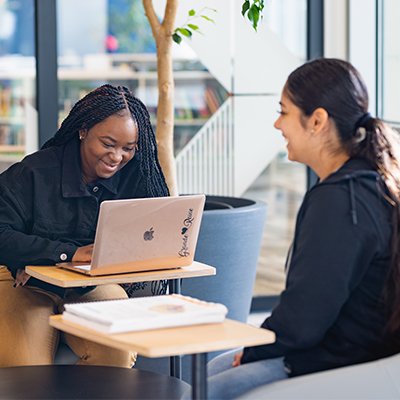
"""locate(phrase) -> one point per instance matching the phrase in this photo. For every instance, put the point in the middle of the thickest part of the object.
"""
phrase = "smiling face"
(297, 134)
(107, 147)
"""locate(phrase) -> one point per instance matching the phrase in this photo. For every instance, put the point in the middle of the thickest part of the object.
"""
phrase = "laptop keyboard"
(84, 267)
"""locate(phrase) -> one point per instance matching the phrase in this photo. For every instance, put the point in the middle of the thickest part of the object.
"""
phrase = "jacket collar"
(353, 168)
(71, 179)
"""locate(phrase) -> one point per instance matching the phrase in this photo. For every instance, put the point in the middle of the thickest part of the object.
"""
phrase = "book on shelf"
(211, 99)
(182, 103)
(144, 313)
(11, 134)
(200, 105)
(220, 95)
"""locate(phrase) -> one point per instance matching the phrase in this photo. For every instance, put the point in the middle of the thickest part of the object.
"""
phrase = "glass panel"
(17, 79)
(391, 61)
(283, 183)
(287, 18)
(119, 49)
(282, 186)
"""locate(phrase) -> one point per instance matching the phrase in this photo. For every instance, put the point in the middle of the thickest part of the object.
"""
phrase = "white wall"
(256, 140)
(336, 29)
(262, 62)
(362, 44)
(213, 46)
(391, 61)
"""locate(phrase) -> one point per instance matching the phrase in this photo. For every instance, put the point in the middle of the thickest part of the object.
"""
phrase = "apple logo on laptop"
(149, 235)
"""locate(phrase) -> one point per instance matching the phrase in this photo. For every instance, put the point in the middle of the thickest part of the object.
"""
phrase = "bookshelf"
(12, 115)
(16, 87)
(193, 84)
(197, 94)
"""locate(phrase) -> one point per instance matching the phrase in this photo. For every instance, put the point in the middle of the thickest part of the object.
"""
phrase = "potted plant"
(232, 228)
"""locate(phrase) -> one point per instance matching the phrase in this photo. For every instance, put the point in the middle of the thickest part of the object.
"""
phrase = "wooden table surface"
(64, 278)
(175, 341)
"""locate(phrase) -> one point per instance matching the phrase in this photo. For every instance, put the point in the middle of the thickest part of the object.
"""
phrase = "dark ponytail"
(336, 86)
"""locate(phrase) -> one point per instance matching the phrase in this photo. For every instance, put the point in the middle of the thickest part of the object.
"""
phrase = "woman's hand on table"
(21, 278)
(83, 254)
(237, 360)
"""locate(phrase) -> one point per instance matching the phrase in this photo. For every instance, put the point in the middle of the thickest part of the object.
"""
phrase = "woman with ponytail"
(341, 304)
(49, 202)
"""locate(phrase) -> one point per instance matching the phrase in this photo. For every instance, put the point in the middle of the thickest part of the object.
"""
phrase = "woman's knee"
(91, 353)
(26, 338)
(236, 381)
(101, 292)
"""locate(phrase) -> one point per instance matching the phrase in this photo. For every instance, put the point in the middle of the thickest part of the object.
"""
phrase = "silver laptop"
(144, 235)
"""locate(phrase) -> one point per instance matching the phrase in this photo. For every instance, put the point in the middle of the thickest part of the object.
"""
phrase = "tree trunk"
(162, 33)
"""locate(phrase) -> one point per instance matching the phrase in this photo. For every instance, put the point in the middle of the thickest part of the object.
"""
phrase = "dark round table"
(87, 382)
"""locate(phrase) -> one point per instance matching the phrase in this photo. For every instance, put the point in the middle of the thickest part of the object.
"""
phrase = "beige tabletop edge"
(175, 341)
(61, 277)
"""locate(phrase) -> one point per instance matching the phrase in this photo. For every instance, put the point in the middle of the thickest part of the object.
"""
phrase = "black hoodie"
(331, 313)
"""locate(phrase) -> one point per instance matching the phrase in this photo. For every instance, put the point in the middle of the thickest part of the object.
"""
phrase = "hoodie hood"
(357, 172)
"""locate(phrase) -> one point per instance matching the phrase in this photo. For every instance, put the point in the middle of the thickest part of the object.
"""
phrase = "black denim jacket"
(46, 211)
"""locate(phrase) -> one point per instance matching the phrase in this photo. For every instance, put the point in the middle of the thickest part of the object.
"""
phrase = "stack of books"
(144, 313)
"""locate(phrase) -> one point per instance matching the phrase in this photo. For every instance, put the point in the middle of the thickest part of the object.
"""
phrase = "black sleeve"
(17, 248)
(330, 256)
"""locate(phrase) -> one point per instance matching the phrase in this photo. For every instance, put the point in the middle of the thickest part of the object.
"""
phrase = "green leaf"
(208, 19)
(185, 32)
(192, 13)
(245, 7)
(176, 38)
(194, 27)
(253, 15)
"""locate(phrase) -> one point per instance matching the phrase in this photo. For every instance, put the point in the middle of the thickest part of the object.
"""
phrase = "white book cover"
(144, 313)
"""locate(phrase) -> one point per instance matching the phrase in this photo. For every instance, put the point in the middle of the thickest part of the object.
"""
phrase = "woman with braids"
(49, 202)
(341, 304)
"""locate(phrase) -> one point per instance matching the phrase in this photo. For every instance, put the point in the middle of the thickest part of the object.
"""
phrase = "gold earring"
(81, 137)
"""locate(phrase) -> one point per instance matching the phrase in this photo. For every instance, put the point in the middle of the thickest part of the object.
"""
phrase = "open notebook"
(144, 234)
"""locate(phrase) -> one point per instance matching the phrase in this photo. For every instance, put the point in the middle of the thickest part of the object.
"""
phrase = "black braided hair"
(103, 102)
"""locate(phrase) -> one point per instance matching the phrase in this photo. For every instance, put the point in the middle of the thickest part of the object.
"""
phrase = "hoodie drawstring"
(352, 200)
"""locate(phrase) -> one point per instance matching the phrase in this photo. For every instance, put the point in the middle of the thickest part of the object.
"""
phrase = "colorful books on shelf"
(200, 105)
(11, 134)
(182, 102)
(212, 99)
(144, 313)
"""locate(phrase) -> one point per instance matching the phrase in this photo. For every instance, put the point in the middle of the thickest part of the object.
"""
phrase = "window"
(283, 183)
(390, 80)
(17, 79)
